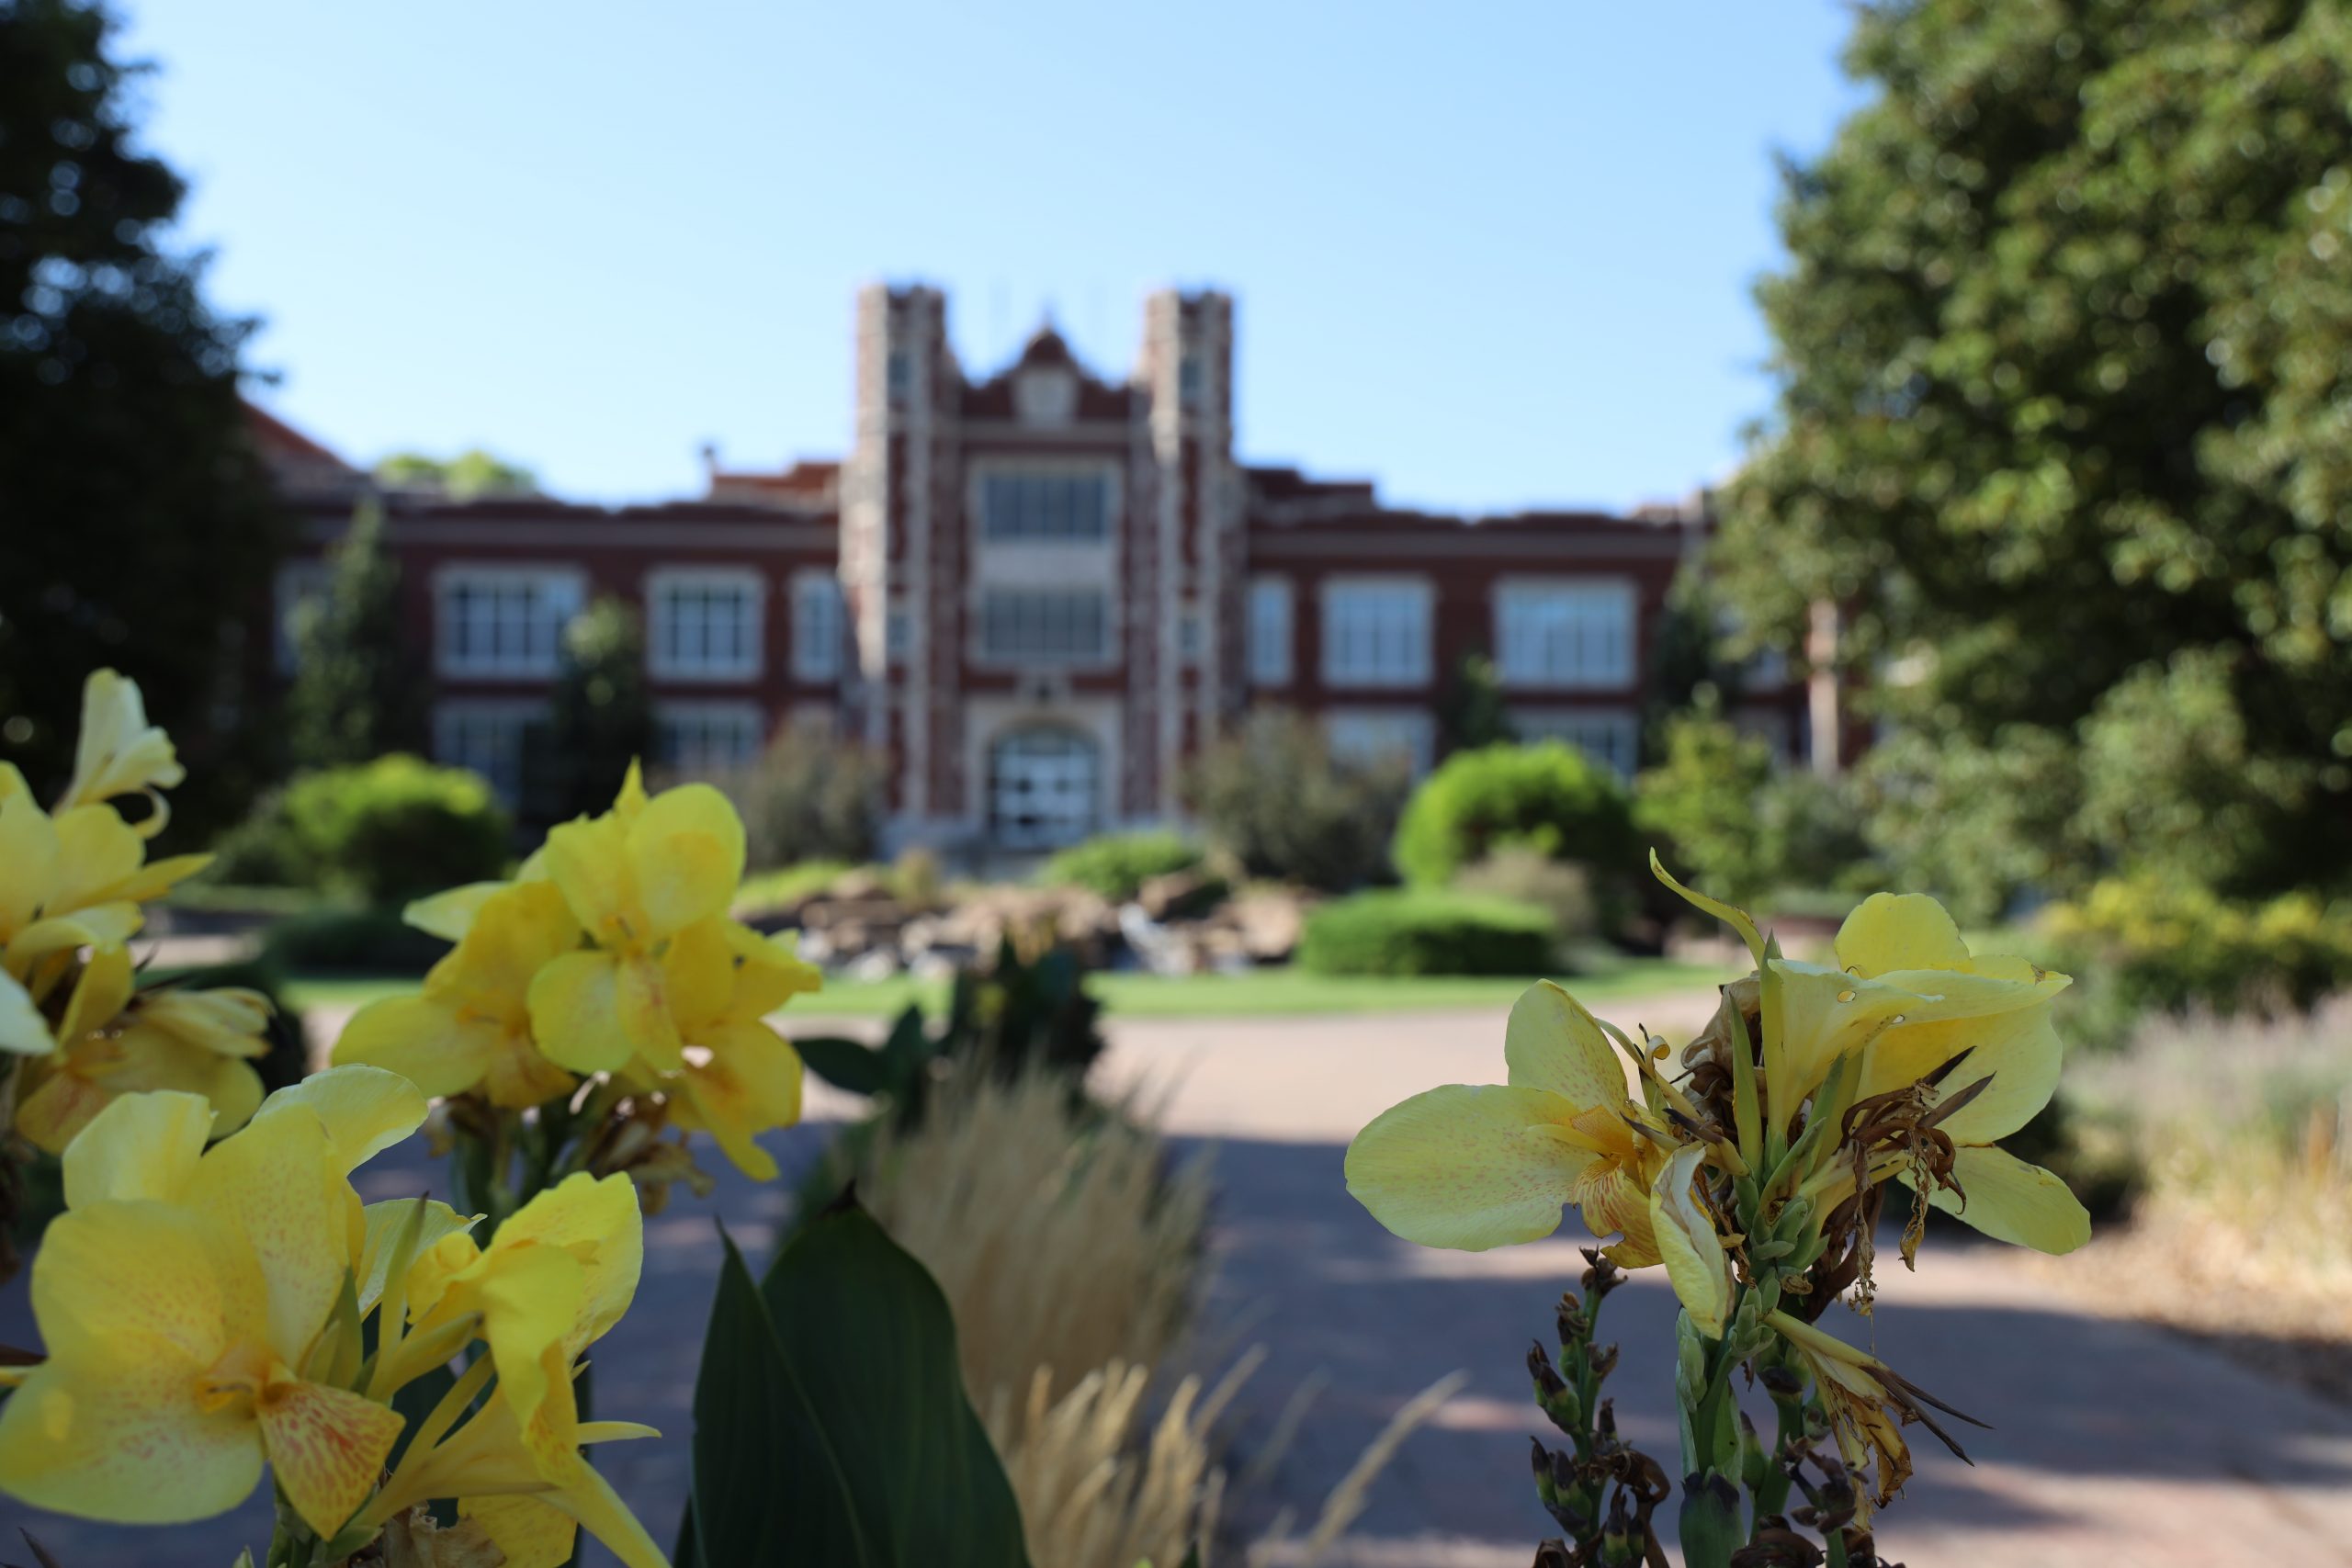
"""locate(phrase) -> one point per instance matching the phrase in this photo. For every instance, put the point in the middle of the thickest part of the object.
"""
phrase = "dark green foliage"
(1116, 865)
(1472, 714)
(2063, 352)
(1012, 1015)
(1975, 823)
(1275, 798)
(350, 942)
(1424, 932)
(1697, 806)
(357, 690)
(1689, 664)
(138, 527)
(1550, 797)
(810, 798)
(830, 1421)
(600, 719)
(462, 478)
(385, 831)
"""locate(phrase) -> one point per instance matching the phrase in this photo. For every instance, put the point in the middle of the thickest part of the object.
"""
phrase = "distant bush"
(2150, 945)
(361, 941)
(383, 831)
(810, 797)
(1422, 931)
(1519, 873)
(1697, 808)
(1116, 865)
(1275, 798)
(1549, 798)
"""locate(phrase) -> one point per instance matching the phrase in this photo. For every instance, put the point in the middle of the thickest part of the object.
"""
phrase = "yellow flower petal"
(450, 914)
(278, 1186)
(529, 1533)
(1467, 1168)
(591, 1501)
(143, 1146)
(385, 1222)
(119, 752)
(126, 1442)
(97, 849)
(686, 856)
(600, 1220)
(1553, 1043)
(698, 977)
(576, 1015)
(2013, 1201)
(751, 1085)
(326, 1448)
(28, 849)
(99, 993)
(117, 1281)
(24, 1032)
(364, 1110)
(642, 999)
(156, 878)
(1688, 1245)
(438, 1048)
(101, 925)
(588, 861)
(1899, 930)
(227, 1021)
(773, 971)
(2019, 1052)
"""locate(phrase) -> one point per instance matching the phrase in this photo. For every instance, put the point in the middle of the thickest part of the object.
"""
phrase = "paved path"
(2114, 1445)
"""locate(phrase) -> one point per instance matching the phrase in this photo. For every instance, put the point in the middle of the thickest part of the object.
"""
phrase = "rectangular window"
(1269, 631)
(1565, 636)
(1377, 633)
(1379, 739)
(1605, 736)
(817, 626)
(487, 737)
(703, 625)
(504, 620)
(1045, 506)
(699, 737)
(1045, 626)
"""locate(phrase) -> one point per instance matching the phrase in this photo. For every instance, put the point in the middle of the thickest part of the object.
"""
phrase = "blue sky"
(1489, 255)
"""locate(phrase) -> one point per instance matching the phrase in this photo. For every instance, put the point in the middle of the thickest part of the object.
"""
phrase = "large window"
(504, 620)
(1044, 785)
(817, 626)
(1045, 626)
(1269, 631)
(1384, 739)
(487, 737)
(1045, 506)
(1377, 632)
(1604, 735)
(1565, 635)
(697, 736)
(704, 624)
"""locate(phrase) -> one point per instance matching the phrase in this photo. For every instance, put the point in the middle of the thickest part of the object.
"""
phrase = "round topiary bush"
(1549, 798)
(1419, 931)
(394, 829)
(1116, 865)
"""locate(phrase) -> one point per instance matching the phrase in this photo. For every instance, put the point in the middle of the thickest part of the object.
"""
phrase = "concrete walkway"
(2113, 1444)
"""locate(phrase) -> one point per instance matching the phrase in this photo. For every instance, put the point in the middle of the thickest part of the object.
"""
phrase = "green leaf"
(830, 1422)
(845, 1064)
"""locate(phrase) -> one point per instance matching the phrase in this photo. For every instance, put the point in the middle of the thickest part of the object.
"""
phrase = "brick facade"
(1039, 593)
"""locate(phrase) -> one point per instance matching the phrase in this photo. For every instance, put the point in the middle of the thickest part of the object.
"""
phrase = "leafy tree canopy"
(461, 477)
(138, 527)
(2063, 354)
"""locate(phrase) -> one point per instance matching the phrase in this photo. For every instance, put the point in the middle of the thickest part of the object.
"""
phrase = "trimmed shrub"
(1549, 798)
(2150, 945)
(397, 827)
(1275, 798)
(1565, 892)
(365, 942)
(809, 799)
(1116, 865)
(1419, 931)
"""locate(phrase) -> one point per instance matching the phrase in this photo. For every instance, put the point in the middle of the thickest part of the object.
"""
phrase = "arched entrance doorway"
(1043, 787)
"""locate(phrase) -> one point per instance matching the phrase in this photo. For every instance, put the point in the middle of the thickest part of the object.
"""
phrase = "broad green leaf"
(845, 1064)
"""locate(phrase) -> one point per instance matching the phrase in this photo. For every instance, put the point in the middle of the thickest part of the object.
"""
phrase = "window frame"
(986, 654)
(1271, 661)
(532, 664)
(834, 661)
(1412, 672)
(750, 659)
(1619, 671)
(669, 716)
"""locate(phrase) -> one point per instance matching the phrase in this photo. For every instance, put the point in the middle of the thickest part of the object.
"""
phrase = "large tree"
(137, 528)
(358, 692)
(2066, 412)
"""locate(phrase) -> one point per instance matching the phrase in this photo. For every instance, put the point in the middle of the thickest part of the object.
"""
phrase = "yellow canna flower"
(1473, 1167)
(119, 752)
(52, 893)
(634, 878)
(471, 1027)
(741, 1077)
(182, 1298)
(557, 1275)
(112, 1042)
(1696, 1264)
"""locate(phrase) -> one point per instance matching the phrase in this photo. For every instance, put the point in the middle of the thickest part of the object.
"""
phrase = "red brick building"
(1039, 592)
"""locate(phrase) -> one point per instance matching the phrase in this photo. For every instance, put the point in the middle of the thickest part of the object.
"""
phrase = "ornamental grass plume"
(1764, 1163)
(599, 1007)
(207, 1318)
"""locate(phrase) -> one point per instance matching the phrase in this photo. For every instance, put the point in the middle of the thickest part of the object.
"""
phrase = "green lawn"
(1259, 993)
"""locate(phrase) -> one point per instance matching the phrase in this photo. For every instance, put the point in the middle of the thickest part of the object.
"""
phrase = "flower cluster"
(1755, 1173)
(75, 876)
(605, 982)
(207, 1312)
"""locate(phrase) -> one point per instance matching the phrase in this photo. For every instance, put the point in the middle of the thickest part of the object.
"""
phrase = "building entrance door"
(1044, 785)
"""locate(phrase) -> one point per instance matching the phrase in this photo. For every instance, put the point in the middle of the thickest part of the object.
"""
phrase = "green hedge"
(1549, 798)
(1416, 931)
(368, 941)
(383, 831)
(1116, 865)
